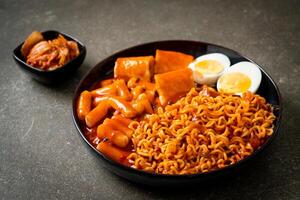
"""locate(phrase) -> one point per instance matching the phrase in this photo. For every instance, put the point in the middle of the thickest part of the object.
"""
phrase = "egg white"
(209, 79)
(249, 69)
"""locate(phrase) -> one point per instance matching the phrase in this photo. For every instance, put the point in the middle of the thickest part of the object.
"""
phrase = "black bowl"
(104, 69)
(56, 75)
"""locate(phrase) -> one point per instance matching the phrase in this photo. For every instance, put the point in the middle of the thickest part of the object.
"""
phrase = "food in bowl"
(48, 55)
(169, 124)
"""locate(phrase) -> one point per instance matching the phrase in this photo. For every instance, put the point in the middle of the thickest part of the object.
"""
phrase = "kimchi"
(51, 54)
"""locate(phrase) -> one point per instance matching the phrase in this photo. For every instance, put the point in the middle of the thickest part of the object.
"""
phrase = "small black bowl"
(104, 69)
(56, 75)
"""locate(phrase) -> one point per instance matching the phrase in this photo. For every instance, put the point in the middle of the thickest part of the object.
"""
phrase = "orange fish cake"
(173, 85)
(166, 61)
(140, 67)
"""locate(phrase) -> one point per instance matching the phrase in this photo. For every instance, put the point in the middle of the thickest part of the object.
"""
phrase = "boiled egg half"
(239, 78)
(208, 68)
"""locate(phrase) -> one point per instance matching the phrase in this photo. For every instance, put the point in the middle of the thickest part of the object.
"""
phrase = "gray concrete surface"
(41, 154)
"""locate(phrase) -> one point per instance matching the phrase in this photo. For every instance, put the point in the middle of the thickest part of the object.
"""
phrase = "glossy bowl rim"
(176, 176)
(25, 65)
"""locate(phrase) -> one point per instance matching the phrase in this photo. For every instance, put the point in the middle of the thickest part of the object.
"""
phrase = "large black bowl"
(104, 69)
(52, 76)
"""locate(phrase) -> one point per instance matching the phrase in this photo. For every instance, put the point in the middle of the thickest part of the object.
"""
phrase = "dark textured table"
(43, 157)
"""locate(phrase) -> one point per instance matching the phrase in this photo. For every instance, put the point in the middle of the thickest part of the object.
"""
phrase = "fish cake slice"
(173, 85)
(166, 61)
(140, 67)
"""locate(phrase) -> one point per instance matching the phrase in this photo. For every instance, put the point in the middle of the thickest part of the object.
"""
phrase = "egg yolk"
(234, 82)
(209, 67)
